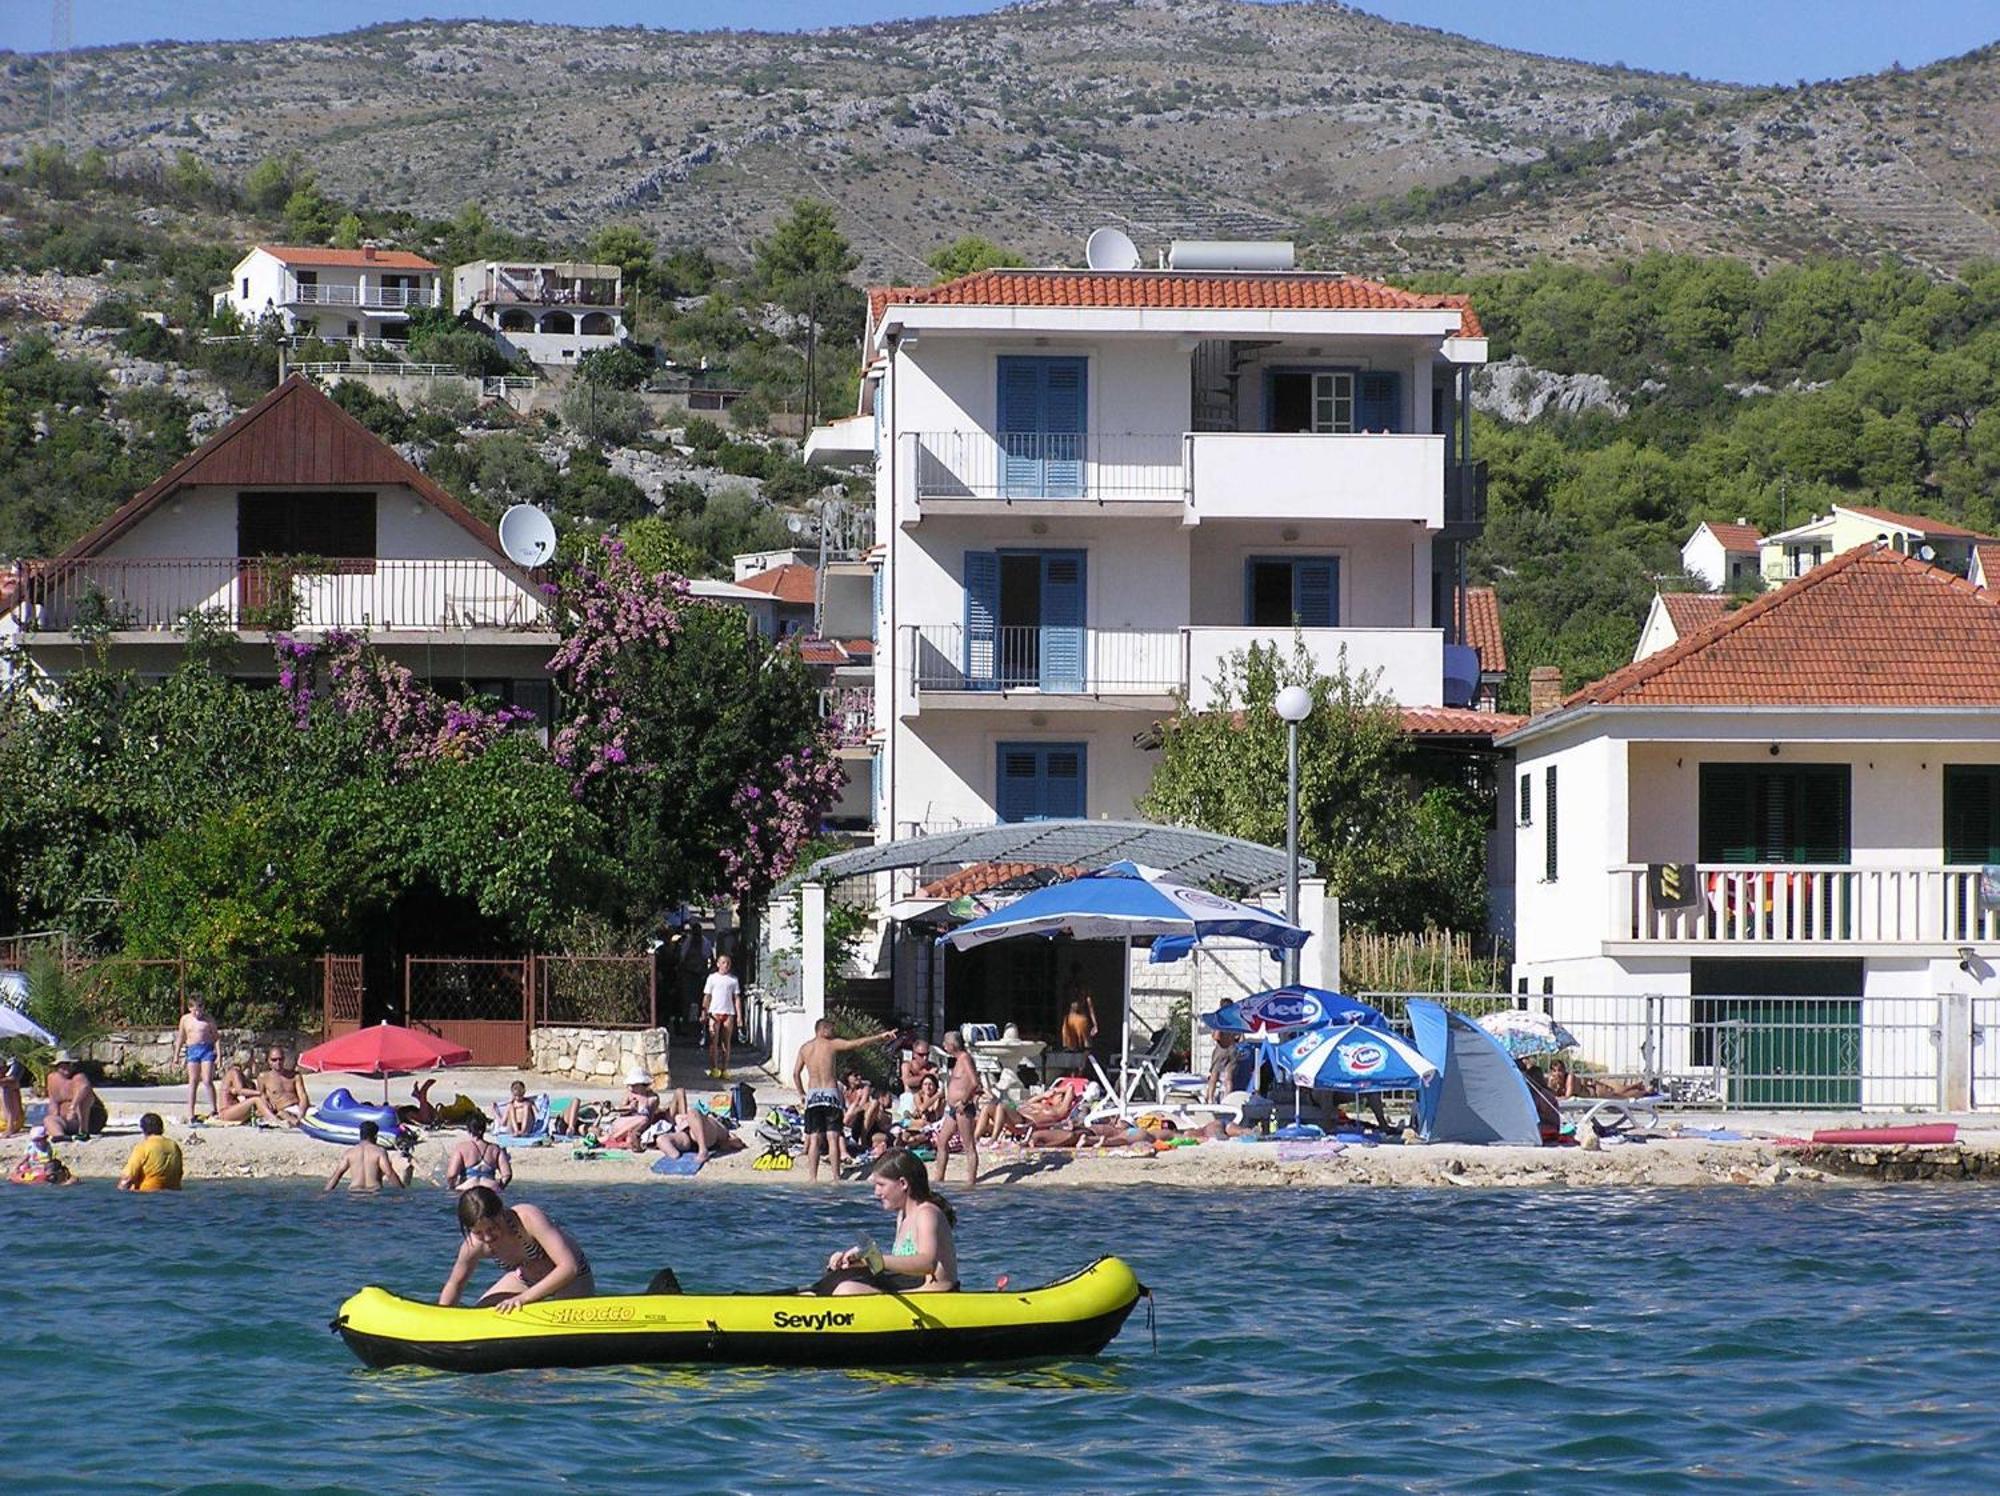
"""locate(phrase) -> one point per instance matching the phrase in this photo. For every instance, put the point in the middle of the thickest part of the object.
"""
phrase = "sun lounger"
(1609, 1114)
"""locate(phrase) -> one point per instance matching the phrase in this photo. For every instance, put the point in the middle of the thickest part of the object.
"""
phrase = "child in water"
(39, 1165)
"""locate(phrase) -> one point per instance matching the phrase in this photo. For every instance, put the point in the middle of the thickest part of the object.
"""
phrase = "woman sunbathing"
(1570, 1086)
(1048, 1109)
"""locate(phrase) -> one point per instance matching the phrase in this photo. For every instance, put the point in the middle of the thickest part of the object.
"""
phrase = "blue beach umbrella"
(1355, 1057)
(1126, 902)
(1293, 1007)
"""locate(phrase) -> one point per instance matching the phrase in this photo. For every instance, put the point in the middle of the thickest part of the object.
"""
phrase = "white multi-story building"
(340, 295)
(1764, 858)
(547, 313)
(1094, 486)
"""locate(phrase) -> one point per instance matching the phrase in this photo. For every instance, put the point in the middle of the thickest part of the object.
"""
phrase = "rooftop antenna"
(1110, 249)
(62, 36)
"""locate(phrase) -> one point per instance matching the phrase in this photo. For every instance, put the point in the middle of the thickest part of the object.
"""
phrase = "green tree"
(347, 233)
(969, 253)
(310, 214)
(803, 265)
(630, 248)
(272, 181)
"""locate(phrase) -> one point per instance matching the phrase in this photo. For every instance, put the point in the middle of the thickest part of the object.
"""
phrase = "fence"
(483, 1003)
(597, 991)
(283, 992)
(1048, 465)
(1436, 961)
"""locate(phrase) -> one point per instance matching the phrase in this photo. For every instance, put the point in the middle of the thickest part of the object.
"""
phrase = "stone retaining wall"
(598, 1054)
(154, 1048)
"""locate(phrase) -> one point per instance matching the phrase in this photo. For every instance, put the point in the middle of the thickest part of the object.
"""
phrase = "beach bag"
(742, 1102)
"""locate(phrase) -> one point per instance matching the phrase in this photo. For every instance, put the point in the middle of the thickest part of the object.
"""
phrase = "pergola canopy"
(1200, 857)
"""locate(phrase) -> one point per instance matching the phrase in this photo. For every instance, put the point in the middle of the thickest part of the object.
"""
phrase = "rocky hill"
(1174, 118)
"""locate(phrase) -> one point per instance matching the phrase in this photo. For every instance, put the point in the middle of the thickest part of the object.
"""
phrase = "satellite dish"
(1927, 553)
(527, 535)
(1110, 249)
(796, 525)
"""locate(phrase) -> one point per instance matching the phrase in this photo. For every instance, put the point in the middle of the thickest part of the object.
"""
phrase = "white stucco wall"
(949, 762)
(1704, 557)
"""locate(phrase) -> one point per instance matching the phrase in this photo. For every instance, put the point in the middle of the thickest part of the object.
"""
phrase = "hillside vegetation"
(1388, 146)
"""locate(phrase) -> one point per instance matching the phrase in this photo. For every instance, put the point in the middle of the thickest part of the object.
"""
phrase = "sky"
(1736, 41)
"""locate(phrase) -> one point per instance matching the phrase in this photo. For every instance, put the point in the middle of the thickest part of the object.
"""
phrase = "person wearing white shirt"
(719, 1002)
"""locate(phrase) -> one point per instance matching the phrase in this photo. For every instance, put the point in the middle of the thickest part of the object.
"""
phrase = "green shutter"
(1971, 814)
(1775, 813)
(1728, 814)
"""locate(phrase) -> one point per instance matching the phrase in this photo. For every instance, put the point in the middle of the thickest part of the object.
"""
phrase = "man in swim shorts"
(155, 1162)
(197, 1036)
(371, 1164)
(961, 1108)
(813, 1077)
(281, 1090)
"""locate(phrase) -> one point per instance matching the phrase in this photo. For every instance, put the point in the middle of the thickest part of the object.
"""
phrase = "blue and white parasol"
(1353, 1058)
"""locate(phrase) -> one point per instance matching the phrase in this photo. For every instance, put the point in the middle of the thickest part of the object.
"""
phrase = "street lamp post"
(1294, 704)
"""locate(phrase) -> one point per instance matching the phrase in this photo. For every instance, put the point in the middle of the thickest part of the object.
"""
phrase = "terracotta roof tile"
(1735, 537)
(1912, 521)
(1989, 563)
(1482, 629)
(1868, 628)
(1691, 612)
(982, 876)
(1296, 291)
(790, 583)
(1457, 722)
(347, 259)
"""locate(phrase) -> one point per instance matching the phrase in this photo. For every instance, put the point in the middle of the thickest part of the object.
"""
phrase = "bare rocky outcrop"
(1515, 390)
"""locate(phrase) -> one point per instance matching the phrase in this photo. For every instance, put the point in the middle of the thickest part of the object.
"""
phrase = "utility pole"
(62, 36)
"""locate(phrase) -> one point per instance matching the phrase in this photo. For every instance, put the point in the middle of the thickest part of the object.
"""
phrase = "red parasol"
(386, 1049)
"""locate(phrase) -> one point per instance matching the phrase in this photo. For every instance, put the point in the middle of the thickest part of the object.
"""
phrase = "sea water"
(1327, 1340)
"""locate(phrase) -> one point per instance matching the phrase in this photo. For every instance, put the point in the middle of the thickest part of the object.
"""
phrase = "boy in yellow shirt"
(155, 1163)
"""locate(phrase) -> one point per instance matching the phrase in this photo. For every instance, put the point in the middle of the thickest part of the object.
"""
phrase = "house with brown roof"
(1722, 555)
(1789, 811)
(1794, 552)
(339, 295)
(294, 518)
(1673, 616)
(1095, 486)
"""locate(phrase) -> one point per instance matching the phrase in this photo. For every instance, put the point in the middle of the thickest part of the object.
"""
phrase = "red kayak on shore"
(1923, 1132)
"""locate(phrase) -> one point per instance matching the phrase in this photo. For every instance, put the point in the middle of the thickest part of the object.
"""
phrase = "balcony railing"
(1816, 904)
(274, 593)
(1155, 662)
(519, 291)
(1029, 466)
(393, 298)
(850, 712)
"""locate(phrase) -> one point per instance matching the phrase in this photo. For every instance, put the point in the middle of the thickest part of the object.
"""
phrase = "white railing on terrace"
(1032, 466)
(356, 368)
(1408, 663)
(1808, 904)
(274, 594)
(392, 297)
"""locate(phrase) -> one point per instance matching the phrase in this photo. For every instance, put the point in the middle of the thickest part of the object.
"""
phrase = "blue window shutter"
(875, 788)
(1063, 423)
(1062, 651)
(1316, 593)
(1062, 781)
(982, 614)
(1019, 782)
(1378, 405)
(875, 604)
(1020, 422)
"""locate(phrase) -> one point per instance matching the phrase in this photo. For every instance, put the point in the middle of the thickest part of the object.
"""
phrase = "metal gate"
(341, 994)
(482, 1003)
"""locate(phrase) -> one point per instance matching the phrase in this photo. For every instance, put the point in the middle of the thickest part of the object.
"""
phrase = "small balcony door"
(1039, 782)
(1024, 620)
(1285, 592)
(1775, 813)
(1041, 422)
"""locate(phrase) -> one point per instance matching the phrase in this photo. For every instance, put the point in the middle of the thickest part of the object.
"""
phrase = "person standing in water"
(475, 1161)
(371, 1163)
(926, 1256)
(155, 1163)
(542, 1260)
(813, 1077)
(197, 1037)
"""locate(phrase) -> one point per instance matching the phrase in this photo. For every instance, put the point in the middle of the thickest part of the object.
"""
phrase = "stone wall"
(598, 1054)
(154, 1048)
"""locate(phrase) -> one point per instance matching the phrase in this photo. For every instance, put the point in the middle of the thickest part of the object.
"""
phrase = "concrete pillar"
(790, 1031)
(1954, 1052)
(1319, 958)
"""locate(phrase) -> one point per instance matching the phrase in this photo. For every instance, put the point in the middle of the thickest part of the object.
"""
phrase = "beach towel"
(687, 1163)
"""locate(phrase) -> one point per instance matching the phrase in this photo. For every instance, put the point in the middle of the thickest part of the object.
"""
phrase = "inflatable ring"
(338, 1119)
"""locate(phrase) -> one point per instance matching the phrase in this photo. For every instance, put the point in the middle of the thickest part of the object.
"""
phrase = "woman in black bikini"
(542, 1260)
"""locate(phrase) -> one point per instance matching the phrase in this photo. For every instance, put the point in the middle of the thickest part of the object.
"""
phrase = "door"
(1283, 592)
(1039, 782)
(1024, 620)
(1041, 424)
(1780, 1033)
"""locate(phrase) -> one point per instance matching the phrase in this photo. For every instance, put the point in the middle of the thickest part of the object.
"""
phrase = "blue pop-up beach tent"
(1480, 1095)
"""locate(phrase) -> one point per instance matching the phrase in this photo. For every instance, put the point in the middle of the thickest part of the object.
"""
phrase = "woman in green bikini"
(926, 1257)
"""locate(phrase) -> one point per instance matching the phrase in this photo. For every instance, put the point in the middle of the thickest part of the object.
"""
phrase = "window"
(1971, 814)
(1526, 815)
(339, 526)
(1283, 592)
(1549, 824)
(246, 288)
(1332, 401)
(1041, 421)
(1774, 813)
(1040, 781)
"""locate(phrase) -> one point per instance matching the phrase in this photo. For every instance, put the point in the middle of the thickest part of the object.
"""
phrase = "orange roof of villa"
(1482, 629)
(1691, 612)
(347, 259)
(1734, 537)
(1290, 291)
(1915, 522)
(790, 583)
(1870, 628)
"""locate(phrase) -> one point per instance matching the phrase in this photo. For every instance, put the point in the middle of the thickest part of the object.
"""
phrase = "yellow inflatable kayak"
(1075, 1316)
